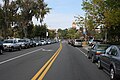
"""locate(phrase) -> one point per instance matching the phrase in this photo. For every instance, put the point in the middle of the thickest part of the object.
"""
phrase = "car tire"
(112, 74)
(19, 48)
(1, 51)
(88, 56)
(99, 64)
(12, 49)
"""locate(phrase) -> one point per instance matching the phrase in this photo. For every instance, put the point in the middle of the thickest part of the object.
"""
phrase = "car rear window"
(78, 40)
(102, 47)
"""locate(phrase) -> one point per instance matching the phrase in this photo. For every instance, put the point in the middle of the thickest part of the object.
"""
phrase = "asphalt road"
(70, 64)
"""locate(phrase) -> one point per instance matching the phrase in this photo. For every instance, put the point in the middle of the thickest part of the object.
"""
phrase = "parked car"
(111, 62)
(77, 42)
(92, 42)
(96, 50)
(11, 45)
(43, 42)
(22, 43)
(32, 43)
(1, 47)
(27, 42)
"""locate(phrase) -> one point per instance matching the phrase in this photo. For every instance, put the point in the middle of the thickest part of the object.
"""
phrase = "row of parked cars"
(107, 57)
(18, 44)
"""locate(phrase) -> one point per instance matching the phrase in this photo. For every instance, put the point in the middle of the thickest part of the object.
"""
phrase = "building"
(74, 25)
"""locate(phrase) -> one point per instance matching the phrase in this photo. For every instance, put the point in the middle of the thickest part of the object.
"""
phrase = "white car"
(77, 42)
(43, 42)
(11, 45)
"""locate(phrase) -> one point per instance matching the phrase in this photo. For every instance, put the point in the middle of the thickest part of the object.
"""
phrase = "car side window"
(94, 47)
(15, 41)
(114, 51)
(108, 51)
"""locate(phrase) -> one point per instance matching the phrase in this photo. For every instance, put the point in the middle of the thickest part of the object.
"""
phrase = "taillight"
(98, 52)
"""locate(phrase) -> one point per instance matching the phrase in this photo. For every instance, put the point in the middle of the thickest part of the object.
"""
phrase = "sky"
(62, 13)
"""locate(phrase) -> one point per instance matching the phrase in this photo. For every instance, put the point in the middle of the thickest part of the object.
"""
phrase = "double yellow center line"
(43, 71)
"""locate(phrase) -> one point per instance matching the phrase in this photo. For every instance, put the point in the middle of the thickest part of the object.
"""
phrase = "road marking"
(82, 52)
(8, 60)
(46, 50)
(42, 72)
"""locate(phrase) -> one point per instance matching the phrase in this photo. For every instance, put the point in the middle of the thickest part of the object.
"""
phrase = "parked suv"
(11, 45)
(77, 42)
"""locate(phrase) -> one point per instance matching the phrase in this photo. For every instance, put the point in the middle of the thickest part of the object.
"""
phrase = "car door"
(15, 44)
(113, 56)
(106, 57)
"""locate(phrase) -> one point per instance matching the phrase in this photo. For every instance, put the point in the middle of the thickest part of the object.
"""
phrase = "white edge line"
(82, 52)
(8, 60)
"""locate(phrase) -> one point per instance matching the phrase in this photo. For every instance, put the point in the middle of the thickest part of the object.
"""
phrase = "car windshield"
(21, 40)
(8, 41)
(78, 40)
(102, 47)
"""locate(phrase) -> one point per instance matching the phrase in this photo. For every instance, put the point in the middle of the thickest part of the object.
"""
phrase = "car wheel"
(1, 51)
(12, 49)
(99, 64)
(93, 59)
(112, 74)
(19, 48)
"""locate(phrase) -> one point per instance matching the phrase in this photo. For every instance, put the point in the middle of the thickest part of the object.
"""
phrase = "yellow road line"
(46, 67)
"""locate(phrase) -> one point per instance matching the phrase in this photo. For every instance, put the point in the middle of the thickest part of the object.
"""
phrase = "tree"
(2, 22)
(52, 34)
(104, 14)
(42, 10)
(71, 33)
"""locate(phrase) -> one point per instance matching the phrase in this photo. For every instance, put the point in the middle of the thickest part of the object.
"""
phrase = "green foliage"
(20, 13)
(69, 33)
(104, 14)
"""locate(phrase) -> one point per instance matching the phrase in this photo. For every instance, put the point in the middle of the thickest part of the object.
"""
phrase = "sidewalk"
(85, 46)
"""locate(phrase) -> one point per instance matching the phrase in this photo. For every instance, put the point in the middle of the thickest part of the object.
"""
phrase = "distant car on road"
(111, 61)
(11, 45)
(77, 42)
(96, 50)
(1, 47)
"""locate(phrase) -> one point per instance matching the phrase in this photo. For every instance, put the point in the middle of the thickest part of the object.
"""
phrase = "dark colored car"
(111, 61)
(1, 47)
(32, 43)
(96, 50)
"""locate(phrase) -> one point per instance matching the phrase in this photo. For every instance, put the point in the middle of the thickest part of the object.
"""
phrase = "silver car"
(11, 45)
